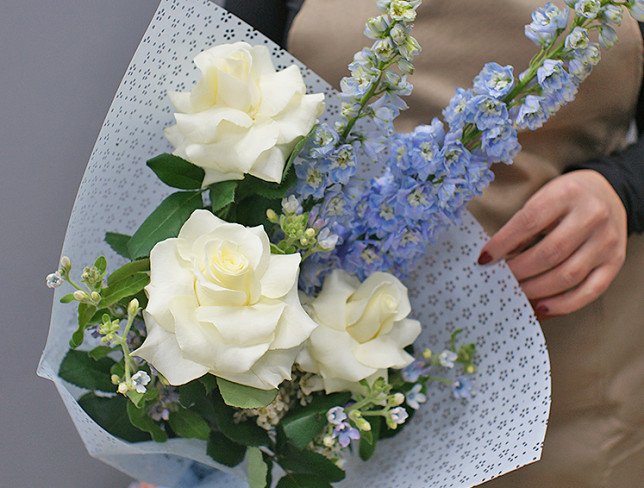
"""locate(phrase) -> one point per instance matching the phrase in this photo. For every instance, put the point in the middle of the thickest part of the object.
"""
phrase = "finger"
(596, 284)
(536, 215)
(554, 249)
(567, 275)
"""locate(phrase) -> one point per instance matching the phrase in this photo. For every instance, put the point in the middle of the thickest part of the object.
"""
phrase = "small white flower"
(447, 358)
(398, 415)
(336, 415)
(139, 381)
(415, 397)
(54, 280)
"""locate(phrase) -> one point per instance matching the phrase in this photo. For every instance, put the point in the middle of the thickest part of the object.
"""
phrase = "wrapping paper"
(449, 443)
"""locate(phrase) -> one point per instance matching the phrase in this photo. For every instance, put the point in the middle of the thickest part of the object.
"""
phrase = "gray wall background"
(60, 65)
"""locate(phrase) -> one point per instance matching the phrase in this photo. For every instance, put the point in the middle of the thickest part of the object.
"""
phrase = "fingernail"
(542, 310)
(484, 258)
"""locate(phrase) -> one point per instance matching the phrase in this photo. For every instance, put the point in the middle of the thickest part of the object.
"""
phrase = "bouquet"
(259, 323)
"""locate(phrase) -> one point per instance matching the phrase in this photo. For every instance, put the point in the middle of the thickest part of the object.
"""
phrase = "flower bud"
(470, 369)
(328, 441)
(115, 379)
(96, 297)
(123, 388)
(133, 307)
(310, 233)
(363, 425)
(81, 296)
(427, 353)
(396, 399)
(272, 216)
(65, 264)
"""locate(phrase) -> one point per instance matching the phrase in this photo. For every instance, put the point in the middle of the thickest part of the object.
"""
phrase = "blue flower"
(415, 397)
(588, 8)
(414, 371)
(501, 143)
(342, 164)
(531, 114)
(546, 23)
(345, 434)
(322, 142)
(494, 80)
(552, 76)
(447, 358)
(487, 112)
(607, 36)
(398, 415)
(577, 39)
(312, 181)
(336, 415)
(462, 387)
(455, 111)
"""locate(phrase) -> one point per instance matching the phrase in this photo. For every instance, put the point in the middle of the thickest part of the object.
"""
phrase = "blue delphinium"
(494, 80)
(547, 22)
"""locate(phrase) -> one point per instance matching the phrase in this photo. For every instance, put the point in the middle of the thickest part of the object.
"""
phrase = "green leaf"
(124, 288)
(222, 194)
(140, 419)
(303, 425)
(111, 414)
(310, 463)
(85, 315)
(302, 481)
(257, 469)
(127, 270)
(99, 352)
(241, 396)
(189, 425)
(118, 243)
(67, 298)
(177, 172)
(101, 264)
(190, 393)
(79, 369)
(247, 433)
(276, 250)
(164, 222)
(252, 211)
(368, 442)
(209, 383)
(296, 152)
(224, 451)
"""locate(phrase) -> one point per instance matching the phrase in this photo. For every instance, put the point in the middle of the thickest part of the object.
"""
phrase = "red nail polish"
(484, 258)
(542, 310)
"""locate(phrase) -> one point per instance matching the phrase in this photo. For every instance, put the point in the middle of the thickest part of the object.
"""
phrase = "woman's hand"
(582, 225)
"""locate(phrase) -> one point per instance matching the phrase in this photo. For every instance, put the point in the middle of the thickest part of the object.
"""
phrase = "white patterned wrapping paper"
(449, 443)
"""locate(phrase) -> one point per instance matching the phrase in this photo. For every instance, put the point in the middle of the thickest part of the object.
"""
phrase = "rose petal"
(170, 276)
(244, 326)
(330, 305)
(201, 222)
(333, 350)
(280, 275)
(269, 372)
(270, 164)
(295, 325)
(387, 351)
(161, 350)
(203, 127)
(299, 118)
(283, 86)
(203, 342)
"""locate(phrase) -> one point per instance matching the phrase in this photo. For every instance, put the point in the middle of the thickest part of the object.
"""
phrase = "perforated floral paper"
(450, 443)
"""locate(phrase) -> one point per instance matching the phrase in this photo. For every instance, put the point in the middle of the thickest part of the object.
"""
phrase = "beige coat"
(596, 433)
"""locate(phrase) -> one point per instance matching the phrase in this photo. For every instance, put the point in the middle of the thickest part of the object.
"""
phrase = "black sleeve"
(625, 172)
(270, 17)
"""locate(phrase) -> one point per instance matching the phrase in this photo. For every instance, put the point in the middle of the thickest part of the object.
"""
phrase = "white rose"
(221, 303)
(363, 330)
(242, 116)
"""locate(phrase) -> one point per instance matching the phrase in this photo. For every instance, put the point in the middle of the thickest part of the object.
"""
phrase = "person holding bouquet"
(566, 215)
